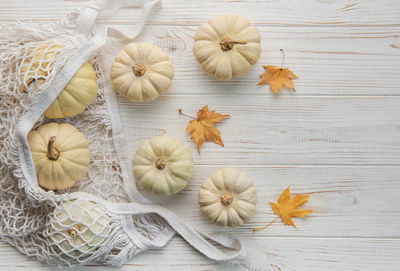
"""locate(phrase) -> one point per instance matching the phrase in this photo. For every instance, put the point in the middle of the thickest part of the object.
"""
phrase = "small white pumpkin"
(80, 91)
(60, 154)
(141, 72)
(227, 46)
(163, 165)
(78, 227)
(228, 197)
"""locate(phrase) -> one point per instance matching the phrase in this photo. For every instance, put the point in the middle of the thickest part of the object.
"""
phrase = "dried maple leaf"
(287, 208)
(203, 129)
(277, 77)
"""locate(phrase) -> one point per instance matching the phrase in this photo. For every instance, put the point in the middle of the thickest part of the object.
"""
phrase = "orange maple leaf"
(287, 208)
(203, 128)
(277, 77)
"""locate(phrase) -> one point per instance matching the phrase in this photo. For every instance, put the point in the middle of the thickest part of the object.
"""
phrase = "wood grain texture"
(346, 201)
(194, 12)
(336, 138)
(278, 130)
(329, 61)
(274, 254)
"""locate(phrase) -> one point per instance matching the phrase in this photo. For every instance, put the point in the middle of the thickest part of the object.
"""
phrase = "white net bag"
(102, 218)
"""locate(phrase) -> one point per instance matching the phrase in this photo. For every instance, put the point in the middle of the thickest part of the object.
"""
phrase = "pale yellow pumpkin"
(78, 227)
(227, 46)
(80, 91)
(228, 197)
(141, 72)
(60, 154)
(163, 165)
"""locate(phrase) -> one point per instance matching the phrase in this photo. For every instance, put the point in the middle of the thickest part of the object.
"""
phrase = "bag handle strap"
(87, 17)
(196, 239)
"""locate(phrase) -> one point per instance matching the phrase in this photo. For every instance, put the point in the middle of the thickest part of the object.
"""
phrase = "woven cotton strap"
(196, 239)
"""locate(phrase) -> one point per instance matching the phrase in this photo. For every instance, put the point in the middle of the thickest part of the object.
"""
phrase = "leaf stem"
(180, 112)
(283, 57)
(269, 224)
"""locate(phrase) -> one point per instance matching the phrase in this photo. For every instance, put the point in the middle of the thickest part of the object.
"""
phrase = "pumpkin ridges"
(144, 86)
(68, 99)
(205, 49)
(127, 55)
(207, 197)
(232, 206)
(166, 71)
(174, 176)
(222, 218)
(45, 58)
(223, 69)
(71, 170)
(229, 31)
(72, 141)
(84, 96)
(234, 219)
(247, 53)
(250, 34)
(50, 171)
(36, 138)
(156, 78)
(151, 92)
(135, 92)
(203, 33)
(54, 110)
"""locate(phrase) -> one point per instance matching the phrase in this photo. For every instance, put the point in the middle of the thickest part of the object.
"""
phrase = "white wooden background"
(337, 137)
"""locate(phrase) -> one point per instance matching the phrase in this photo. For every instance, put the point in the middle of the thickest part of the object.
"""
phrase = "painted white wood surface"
(337, 137)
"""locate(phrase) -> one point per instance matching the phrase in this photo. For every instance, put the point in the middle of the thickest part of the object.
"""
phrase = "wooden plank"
(346, 201)
(194, 12)
(266, 254)
(279, 130)
(329, 61)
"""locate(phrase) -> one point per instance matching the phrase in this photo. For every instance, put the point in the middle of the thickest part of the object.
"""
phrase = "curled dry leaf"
(287, 208)
(277, 77)
(203, 129)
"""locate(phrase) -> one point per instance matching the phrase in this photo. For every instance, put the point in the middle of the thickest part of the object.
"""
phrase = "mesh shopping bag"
(103, 218)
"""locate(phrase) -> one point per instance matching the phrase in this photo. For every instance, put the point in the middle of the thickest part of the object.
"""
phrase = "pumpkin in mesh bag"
(78, 228)
(80, 91)
(60, 154)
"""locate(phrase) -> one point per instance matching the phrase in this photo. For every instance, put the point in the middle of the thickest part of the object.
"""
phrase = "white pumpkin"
(80, 91)
(228, 197)
(78, 227)
(60, 154)
(163, 165)
(227, 46)
(141, 72)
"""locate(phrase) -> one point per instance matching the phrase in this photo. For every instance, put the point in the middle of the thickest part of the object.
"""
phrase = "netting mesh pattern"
(57, 227)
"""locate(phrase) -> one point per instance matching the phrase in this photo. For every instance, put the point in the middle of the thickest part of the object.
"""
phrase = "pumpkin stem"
(139, 69)
(52, 153)
(227, 44)
(74, 232)
(160, 163)
(226, 199)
